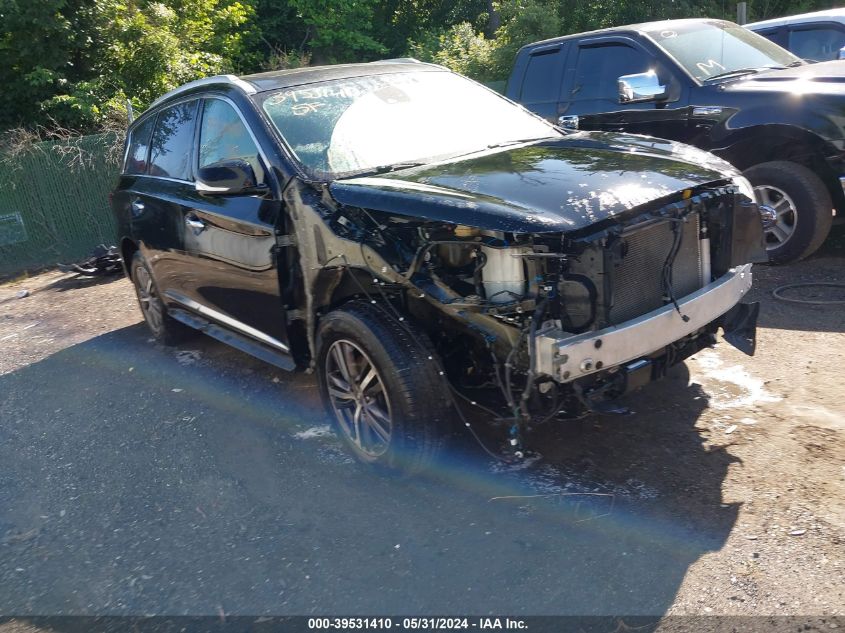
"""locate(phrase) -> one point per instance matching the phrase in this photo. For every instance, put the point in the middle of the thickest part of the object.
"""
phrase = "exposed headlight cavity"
(745, 188)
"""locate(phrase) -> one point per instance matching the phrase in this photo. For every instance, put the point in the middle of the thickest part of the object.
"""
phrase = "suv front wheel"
(798, 205)
(381, 386)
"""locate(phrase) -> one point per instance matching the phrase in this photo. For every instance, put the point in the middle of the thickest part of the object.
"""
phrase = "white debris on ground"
(522, 464)
(550, 479)
(187, 357)
(738, 388)
(315, 431)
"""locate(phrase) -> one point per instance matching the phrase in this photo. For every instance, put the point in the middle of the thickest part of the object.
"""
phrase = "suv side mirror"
(640, 87)
(228, 177)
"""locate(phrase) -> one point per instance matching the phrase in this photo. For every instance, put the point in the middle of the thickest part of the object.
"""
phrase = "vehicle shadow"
(138, 479)
(83, 281)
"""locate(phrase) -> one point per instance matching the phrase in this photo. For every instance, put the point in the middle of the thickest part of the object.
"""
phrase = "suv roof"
(276, 79)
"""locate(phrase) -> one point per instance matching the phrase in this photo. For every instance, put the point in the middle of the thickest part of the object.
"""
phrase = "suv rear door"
(160, 173)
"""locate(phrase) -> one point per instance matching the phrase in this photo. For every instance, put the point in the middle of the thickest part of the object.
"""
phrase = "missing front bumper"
(567, 357)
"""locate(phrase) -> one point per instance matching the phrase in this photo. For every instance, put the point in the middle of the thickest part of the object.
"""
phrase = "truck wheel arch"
(765, 143)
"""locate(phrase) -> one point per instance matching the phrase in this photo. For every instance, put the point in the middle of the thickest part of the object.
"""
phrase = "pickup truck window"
(821, 43)
(542, 77)
(776, 35)
(599, 68)
(707, 49)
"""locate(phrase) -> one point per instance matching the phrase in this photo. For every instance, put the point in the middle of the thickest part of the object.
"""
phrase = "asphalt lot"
(138, 479)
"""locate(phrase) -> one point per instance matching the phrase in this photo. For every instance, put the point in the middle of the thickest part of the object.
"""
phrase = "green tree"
(339, 30)
(75, 61)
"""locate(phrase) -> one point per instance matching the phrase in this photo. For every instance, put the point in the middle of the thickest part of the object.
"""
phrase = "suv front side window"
(173, 140)
(224, 136)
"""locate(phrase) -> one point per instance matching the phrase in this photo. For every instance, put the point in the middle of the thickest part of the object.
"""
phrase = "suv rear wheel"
(799, 205)
(163, 326)
(382, 388)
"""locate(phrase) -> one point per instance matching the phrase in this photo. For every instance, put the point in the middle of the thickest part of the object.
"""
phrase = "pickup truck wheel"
(163, 327)
(800, 207)
(380, 387)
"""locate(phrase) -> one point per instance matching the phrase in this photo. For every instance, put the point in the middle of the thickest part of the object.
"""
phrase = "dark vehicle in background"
(715, 85)
(814, 37)
(417, 240)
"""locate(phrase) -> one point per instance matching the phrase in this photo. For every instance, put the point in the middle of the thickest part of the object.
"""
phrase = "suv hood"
(561, 184)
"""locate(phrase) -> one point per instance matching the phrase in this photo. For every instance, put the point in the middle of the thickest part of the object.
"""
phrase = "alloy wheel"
(779, 210)
(359, 398)
(151, 305)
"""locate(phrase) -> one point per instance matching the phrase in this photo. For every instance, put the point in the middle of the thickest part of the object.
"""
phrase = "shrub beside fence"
(54, 201)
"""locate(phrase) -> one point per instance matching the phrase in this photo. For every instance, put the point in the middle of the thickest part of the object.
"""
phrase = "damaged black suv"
(426, 246)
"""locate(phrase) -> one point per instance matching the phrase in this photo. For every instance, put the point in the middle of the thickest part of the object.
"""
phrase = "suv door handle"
(137, 207)
(193, 222)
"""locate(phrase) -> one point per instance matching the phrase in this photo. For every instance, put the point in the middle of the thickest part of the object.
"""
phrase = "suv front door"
(232, 239)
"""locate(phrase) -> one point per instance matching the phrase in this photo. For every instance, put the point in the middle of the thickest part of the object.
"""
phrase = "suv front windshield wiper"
(390, 167)
(385, 169)
(516, 141)
(742, 71)
(508, 143)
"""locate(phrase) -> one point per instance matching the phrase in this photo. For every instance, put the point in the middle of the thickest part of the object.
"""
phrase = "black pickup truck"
(718, 86)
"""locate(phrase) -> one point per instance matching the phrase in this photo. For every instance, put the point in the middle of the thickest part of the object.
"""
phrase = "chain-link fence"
(54, 201)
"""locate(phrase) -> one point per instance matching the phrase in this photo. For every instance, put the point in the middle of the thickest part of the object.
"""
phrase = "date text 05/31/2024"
(408, 624)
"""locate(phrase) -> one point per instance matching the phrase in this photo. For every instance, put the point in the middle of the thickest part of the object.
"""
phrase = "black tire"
(164, 327)
(412, 393)
(812, 216)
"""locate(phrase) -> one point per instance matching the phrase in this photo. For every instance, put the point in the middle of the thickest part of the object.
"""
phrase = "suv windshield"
(716, 48)
(366, 124)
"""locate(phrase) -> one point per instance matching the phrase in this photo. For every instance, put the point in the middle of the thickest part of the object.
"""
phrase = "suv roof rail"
(207, 81)
(397, 60)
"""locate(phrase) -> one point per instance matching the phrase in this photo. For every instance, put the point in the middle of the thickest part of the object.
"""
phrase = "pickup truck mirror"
(228, 177)
(640, 87)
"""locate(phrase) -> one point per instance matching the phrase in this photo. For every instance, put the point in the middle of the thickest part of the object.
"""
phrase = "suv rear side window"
(542, 77)
(139, 146)
(224, 136)
(173, 141)
(599, 68)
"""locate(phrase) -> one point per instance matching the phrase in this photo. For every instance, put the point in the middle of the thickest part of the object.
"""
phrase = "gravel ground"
(138, 479)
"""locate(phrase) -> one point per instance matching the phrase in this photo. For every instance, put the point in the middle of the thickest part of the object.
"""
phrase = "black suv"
(717, 86)
(420, 241)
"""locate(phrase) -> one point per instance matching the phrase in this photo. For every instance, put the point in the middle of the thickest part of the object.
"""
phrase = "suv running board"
(238, 341)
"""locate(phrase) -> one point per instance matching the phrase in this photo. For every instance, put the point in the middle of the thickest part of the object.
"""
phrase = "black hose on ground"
(777, 293)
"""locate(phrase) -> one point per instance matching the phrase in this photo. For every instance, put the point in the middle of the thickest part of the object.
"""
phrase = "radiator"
(638, 278)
